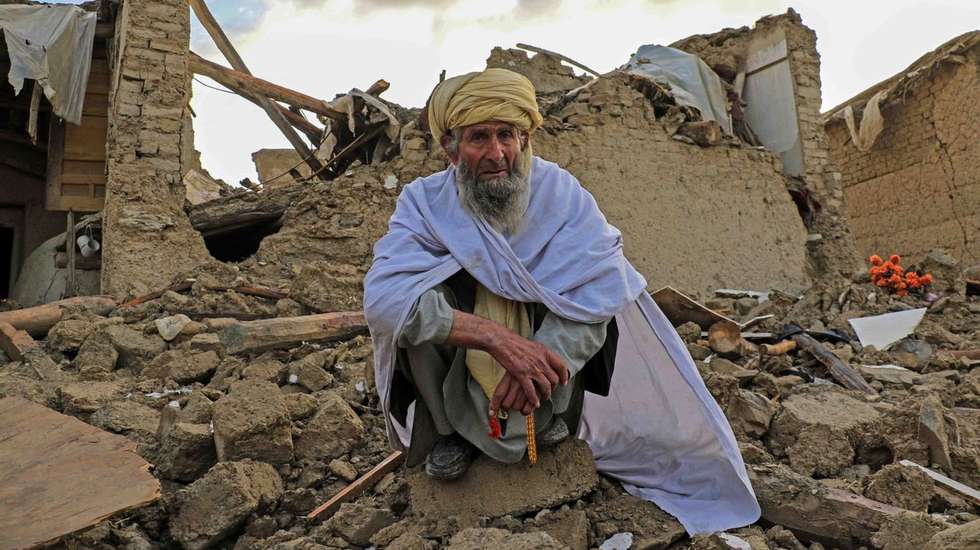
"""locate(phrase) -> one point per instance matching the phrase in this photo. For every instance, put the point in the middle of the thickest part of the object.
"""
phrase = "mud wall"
(918, 187)
(726, 51)
(148, 238)
(693, 218)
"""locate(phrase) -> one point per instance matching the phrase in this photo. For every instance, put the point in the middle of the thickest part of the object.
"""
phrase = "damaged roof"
(899, 84)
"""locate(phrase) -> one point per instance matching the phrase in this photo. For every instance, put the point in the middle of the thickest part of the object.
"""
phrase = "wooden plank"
(96, 105)
(98, 79)
(56, 155)
(16, 343)
(82, 204)
(59, 475)
(86, 179)
(231, 54)
(358, 487)
(680, 309)
(38, 320)
(85, 142)
(283, 332)
(964, 490)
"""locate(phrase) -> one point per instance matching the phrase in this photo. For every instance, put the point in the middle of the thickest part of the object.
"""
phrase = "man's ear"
(525, 140)
(445, 142)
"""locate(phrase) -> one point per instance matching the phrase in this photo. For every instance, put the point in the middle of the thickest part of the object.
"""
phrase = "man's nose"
(495, 150)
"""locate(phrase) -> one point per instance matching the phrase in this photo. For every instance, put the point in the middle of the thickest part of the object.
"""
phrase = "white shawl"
(659, 431)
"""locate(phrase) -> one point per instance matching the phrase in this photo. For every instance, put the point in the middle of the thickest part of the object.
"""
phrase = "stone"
(499, 539)
(750, 413)
(127, 417)
(699, 352)
(88, 397)
(907, 531)
(690, 332)
(170, 327)
(186, 452)
(721, 365)
(309, 372)
(265, 368)
(300, 405)
(567, 526)
(69, 334)
(198, 409)
(705, 133)
(135, 348)
(652, 528)
(932, 432)
(252, 422)
(183, 367)
(343, 469)
(215, 506)
(890, 374)
(96, 355)
(334, 430)
(299, 501)
(820, 428)
(207, 342)
(835, 517)
(356, 523)
(492, 489)
(962, 537)
(902, 486)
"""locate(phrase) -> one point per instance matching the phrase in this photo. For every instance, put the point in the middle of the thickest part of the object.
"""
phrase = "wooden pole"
(70, 286)
(221, 40)
(243, 83)
(360, 485)
(839, 370)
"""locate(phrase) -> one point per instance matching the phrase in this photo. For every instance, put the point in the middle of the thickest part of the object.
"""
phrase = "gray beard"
(501, 202)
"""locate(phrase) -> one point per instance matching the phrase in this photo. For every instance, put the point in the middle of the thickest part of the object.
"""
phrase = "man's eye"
(505, 135)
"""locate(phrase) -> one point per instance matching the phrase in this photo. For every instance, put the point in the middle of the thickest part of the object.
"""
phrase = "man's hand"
(533, 370)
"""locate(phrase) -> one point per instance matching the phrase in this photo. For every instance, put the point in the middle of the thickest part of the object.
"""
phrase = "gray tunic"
(456, 401)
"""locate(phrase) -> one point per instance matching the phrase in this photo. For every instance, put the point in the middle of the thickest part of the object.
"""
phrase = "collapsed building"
(224, 382)
(907, 149)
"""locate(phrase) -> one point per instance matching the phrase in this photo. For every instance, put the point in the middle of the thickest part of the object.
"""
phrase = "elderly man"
(500, 296)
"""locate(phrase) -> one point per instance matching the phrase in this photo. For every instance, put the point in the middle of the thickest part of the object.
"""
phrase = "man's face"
(490, 149)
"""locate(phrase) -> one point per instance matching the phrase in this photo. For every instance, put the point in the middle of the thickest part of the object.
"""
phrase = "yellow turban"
(494, 94)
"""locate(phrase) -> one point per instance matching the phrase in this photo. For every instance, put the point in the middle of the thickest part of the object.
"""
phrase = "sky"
(326, 47)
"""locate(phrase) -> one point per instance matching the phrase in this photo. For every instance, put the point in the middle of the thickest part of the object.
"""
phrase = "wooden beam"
(284, 332)
(39, 319)
(16, 343)
(228, 50)
(840, 371)
(358, 487)
(240, 82)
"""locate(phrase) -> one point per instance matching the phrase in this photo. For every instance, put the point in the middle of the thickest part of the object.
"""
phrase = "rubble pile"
(247, 443)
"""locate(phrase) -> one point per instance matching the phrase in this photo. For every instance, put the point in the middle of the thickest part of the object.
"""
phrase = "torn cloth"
(52, 45)
(659, 431)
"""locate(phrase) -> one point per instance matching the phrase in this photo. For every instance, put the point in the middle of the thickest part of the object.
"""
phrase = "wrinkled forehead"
(489, 127)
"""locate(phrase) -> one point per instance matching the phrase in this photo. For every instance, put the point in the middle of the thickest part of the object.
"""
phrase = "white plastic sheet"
(881, 331)
(691, 80)
(51, 44)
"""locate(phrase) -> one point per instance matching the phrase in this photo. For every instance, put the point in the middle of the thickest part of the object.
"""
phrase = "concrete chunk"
(252, 422)
(932, 432)
(216, 506)
(334, 430)
(493, 489)
(186, 452)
